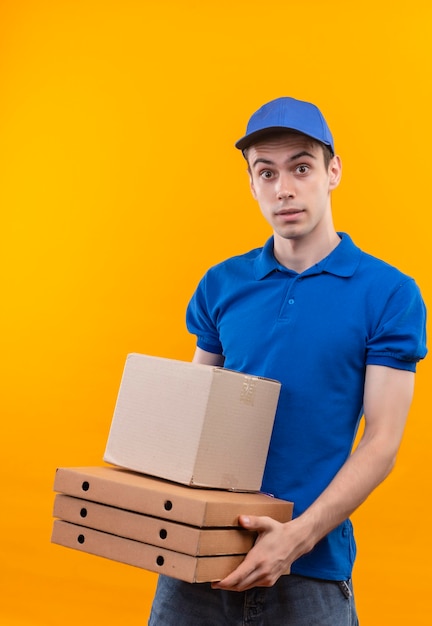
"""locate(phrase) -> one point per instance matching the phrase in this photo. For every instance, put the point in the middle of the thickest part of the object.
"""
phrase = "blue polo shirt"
(315, 332)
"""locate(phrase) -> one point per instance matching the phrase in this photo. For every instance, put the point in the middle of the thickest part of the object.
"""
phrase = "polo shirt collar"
(342, 261)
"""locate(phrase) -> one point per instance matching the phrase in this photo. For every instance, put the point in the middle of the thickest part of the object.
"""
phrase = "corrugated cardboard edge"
(155, 559)
(151, 496)
(152, 530)
(220, 429)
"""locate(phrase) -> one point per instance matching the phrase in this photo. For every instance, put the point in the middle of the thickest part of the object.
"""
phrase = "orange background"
(119, 186)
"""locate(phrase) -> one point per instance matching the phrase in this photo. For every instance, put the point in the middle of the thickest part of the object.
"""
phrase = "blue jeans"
(292, 601)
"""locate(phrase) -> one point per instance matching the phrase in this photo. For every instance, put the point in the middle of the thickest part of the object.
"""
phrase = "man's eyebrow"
(261, 160)
(294, 157)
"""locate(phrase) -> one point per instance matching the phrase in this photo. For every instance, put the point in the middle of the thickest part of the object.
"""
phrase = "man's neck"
(299, 254)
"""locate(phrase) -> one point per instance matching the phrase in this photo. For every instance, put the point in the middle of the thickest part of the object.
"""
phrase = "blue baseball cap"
(287, 114)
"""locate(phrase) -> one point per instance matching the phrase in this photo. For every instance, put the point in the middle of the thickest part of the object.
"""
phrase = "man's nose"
(285, 187)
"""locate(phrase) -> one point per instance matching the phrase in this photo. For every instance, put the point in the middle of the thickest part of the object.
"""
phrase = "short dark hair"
(327, 151)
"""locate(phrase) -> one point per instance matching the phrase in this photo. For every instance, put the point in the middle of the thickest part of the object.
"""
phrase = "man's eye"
(266, 174)
(302, 169)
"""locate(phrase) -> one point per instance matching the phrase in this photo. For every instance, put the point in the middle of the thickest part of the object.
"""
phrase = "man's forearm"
(388, 395)
(366, 468)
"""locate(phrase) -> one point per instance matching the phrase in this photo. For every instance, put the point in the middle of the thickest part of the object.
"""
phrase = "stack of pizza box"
(148, 508)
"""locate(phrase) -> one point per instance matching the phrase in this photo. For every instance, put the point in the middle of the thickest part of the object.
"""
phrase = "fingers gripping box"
(194, 424)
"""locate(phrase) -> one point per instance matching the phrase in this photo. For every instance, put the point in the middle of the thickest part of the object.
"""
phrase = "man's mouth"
(288, 212)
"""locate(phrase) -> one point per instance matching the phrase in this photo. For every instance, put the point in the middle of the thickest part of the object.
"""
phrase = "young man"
(343, 332)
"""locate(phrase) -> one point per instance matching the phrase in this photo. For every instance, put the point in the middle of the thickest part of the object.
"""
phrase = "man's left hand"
(269, 558)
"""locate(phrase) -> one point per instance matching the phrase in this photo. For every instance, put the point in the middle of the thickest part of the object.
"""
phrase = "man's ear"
(335, 172)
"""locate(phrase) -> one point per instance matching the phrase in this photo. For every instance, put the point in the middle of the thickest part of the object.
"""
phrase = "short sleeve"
(200, 322)
(399, 339)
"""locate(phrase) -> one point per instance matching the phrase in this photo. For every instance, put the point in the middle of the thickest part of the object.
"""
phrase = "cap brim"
(248, 140)
(258, 135)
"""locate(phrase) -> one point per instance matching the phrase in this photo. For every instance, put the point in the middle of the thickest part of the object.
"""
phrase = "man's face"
(292, 185)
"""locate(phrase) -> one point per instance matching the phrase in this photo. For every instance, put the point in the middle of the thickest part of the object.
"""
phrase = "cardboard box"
(167, 500)
(155, 559)
(157, 532)
(193, 424)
